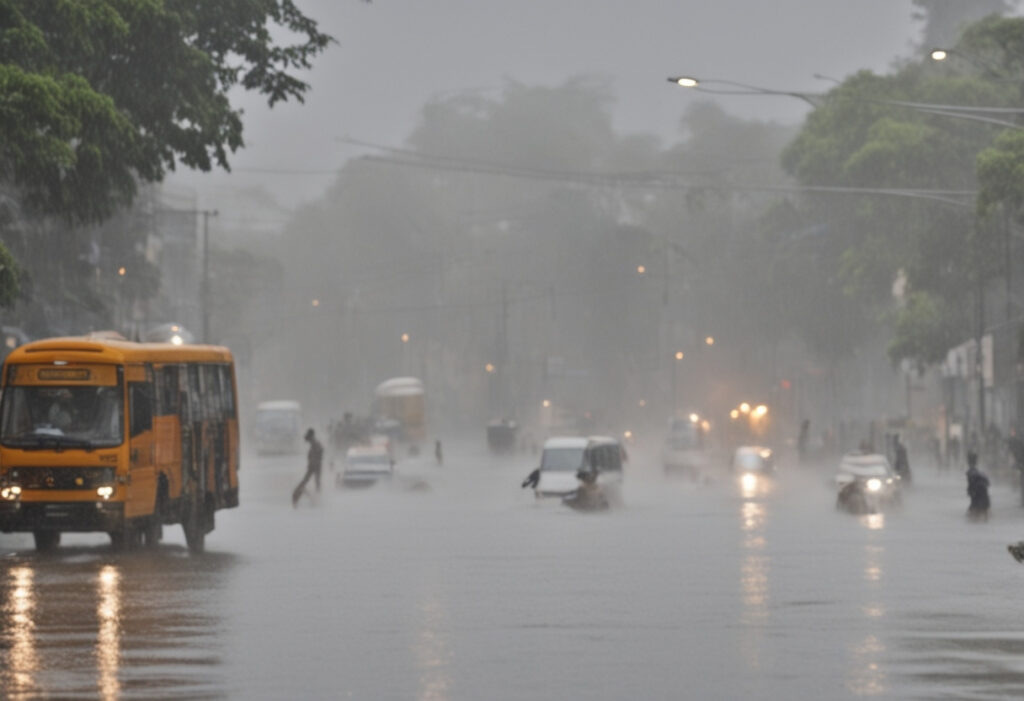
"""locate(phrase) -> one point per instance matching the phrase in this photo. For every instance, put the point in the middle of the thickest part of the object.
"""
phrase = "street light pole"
(204, 290)
(987, 114)
(675, 384)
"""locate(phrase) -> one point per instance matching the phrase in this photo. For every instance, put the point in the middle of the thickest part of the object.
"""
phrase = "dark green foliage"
(96, 94)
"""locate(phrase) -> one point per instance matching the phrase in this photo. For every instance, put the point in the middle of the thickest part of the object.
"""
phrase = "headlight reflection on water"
(108, 640)
(19, 679)
(754, 574)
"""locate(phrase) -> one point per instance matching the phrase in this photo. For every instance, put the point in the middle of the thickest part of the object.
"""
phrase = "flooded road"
(455, 584)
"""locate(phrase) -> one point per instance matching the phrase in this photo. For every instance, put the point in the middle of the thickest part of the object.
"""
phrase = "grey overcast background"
(393, 55)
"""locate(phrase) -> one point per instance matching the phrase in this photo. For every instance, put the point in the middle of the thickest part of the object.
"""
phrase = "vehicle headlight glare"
(874, 484)
(105, 492)
(748, 481)
(10, 493)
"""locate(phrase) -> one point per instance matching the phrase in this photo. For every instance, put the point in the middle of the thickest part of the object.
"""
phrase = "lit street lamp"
(718, 86)
(941, 54)
(406, 360)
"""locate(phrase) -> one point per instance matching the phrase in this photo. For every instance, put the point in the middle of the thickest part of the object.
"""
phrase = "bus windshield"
(77, 417)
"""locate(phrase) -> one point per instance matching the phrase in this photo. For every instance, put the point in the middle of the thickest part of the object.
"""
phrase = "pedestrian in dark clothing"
(1016, 448)
(801, 440)
(532, 479)
(902, 466)
(438, 453)
(977, 490)
(314, 461)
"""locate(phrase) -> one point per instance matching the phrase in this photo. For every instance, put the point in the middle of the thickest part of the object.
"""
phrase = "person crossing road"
(314, 463)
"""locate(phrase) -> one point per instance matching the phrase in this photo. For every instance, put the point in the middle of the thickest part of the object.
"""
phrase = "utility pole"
(503, 370)
(204, 291)
(979, 359)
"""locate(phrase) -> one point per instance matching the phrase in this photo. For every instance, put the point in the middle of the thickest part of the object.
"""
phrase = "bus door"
(142, 442)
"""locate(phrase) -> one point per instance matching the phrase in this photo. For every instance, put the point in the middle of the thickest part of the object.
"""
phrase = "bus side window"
(227, 391)
(211, 392)
(167, 390)
(195, 393)
(140, 394)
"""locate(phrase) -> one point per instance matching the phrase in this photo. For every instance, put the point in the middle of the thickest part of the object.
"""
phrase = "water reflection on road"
(18, 676)
(754, 581)
(85, 622)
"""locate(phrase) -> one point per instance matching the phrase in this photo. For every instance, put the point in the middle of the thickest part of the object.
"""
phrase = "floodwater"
(455, 584)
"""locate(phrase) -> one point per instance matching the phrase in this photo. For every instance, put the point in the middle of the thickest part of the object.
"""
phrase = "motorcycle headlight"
(748, 481)
(874, 484)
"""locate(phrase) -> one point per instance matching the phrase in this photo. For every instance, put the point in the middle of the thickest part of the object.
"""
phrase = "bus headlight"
(874, 484)
(105, 492)
(10, 493)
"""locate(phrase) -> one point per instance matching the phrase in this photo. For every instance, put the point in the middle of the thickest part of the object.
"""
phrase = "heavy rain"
(377, 350)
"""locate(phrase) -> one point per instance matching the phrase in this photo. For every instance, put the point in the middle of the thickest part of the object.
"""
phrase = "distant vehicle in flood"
(562, 457)
(685, 449)
(400, 403)
(277, 428)
(502, 436)
(365, 466)
(866, 483)
(754, 465)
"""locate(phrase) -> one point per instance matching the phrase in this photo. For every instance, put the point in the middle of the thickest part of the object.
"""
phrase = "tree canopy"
(97, 95)
(876, 131)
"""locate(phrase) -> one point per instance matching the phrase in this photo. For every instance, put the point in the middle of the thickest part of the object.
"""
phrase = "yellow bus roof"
(91, 350)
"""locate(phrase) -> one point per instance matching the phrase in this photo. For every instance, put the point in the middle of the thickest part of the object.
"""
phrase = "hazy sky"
(392, 55)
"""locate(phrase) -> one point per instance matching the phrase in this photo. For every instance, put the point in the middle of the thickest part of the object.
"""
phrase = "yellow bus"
(116, 436)
(401, 400)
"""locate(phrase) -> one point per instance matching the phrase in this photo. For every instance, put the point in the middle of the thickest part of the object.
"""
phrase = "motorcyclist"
(589, 496)
(977, 490)
(852, 498)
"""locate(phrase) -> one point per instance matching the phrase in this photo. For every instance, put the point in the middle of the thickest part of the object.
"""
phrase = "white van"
(563, 456)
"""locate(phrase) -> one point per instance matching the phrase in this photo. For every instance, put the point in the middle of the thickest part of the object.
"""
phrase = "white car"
(754, 464)
(564, 456)
(866, 483)
(365, 466)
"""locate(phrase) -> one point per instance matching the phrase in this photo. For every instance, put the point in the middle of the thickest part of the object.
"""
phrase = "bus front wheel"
(46, 540)
(194, 527)
(126, 538)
